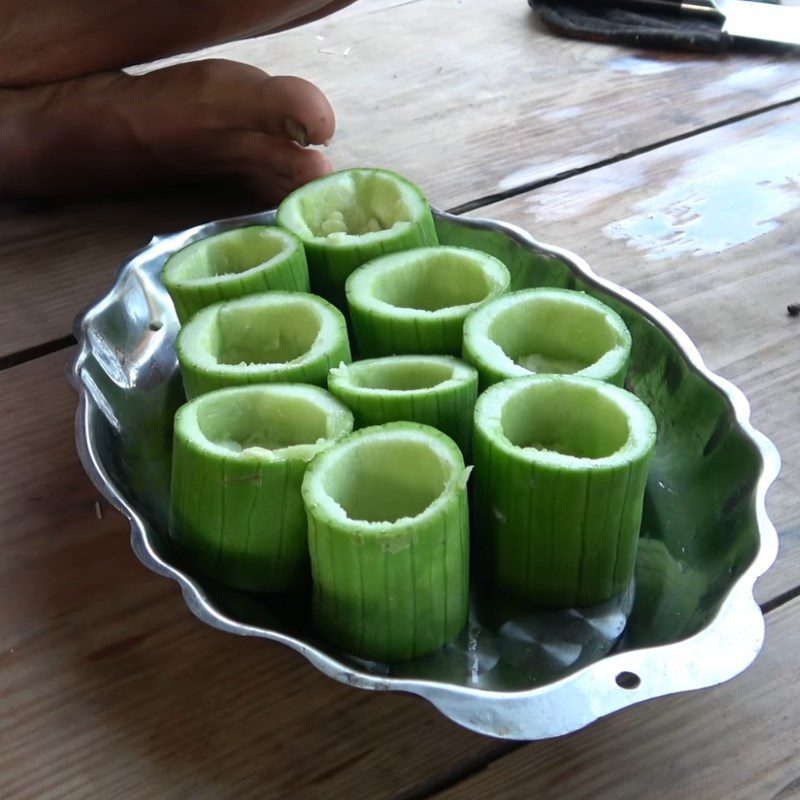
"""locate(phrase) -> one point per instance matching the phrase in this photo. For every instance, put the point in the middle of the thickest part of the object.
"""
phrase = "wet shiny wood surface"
(110, 688)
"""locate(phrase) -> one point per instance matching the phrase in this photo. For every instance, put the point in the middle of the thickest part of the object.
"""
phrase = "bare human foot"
(110, 132)
(53, 40)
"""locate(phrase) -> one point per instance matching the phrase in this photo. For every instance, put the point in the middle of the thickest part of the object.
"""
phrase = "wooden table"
(676, 175)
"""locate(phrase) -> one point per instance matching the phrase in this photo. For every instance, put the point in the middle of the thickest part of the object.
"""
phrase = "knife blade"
(740, 19)
(765, 22)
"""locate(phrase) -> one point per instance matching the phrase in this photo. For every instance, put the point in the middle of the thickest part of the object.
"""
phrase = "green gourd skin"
(389, 589)
(264, 499)
(234, 264)
(560, 529)
(267, 338)
(416, 302)
(398, 205)
(433, 390)
(546, 331)
(238, 516)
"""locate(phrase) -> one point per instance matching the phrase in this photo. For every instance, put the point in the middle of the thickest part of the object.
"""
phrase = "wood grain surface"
(473, 98)
(492, 106)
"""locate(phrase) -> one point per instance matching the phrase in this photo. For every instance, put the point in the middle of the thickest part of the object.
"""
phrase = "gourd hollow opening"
(553, 335)
(567, 418)
(403, 376)
(434, 280)
(354, 204)
(267, 420)
(386, 479)
(229, 253)
(276, 333)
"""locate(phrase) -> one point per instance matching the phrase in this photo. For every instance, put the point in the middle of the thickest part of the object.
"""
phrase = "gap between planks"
(462, 772)
(780, 600)
(472, 205)
(37, 351)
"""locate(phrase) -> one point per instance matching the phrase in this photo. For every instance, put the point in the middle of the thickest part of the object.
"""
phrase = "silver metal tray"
(689, 620)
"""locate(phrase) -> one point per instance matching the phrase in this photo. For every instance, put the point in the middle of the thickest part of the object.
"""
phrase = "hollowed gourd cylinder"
(232, 264)
(561, 466)
(434, 390)
(263, 338)
(352, 216)
(417, 301)
(547, 331)
(238, 462)
(388, 533)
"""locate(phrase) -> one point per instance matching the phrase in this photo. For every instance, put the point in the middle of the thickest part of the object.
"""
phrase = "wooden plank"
(499, 101)
(737, 741)
(494, 104)
(110, 688)
(706, 229)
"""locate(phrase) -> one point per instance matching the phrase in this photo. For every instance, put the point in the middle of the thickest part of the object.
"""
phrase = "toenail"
(297, 132)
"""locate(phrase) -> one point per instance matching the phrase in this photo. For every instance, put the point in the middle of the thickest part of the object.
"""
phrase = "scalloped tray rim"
(734, 635)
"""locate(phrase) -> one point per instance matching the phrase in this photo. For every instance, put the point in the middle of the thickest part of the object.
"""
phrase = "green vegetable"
(262, 338)
(555, 331)
(560, 470)
(388, 533)
(233, 264)
(238, 461)
(434, 390)
(417, 301)
(352, 216)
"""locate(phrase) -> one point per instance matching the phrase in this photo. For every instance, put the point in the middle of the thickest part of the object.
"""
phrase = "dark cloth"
(588, 20)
